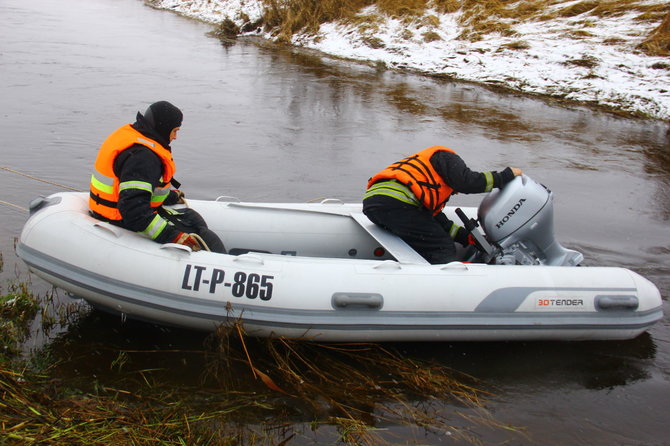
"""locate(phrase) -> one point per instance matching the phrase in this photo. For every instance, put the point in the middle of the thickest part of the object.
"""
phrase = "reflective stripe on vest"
(393, 189)
(418, 174)
(105, 186)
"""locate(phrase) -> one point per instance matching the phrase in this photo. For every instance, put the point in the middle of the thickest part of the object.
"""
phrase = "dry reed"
(285, 18)
(658, 42)
(349, 387)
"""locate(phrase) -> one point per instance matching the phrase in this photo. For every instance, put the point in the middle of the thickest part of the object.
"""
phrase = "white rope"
(39, 179)
(201, 241)
(14, 205)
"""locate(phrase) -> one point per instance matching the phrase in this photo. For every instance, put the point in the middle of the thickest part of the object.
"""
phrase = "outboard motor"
(519, 221)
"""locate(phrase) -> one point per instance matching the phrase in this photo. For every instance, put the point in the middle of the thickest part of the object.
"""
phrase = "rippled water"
(272, 124)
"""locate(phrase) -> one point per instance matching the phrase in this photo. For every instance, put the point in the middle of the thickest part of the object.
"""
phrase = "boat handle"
(227, 199)
(617, 302)
(387, 265)
(331, 201)
(108, 228)
(455, 266)
(249, 258)
(178, 246)
(42, 202)
(353, 301)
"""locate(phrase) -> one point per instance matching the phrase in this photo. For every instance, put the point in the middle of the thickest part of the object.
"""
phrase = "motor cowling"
(520, 219)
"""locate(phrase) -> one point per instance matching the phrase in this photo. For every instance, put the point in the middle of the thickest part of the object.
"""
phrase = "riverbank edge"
(222, 33)
(262, 42)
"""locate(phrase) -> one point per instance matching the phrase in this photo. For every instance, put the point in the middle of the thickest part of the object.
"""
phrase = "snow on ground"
(555, 58)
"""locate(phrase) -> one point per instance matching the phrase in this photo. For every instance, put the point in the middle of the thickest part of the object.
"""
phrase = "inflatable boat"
(323, 272)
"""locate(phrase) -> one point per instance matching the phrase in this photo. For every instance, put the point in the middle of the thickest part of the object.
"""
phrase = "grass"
(285, 18)
(351, 387)
(585, 61)
(658, 42)
(18, 308)
(35, 410)
(517, 45)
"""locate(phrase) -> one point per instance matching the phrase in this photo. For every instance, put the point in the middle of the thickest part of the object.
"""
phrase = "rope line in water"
(14, 205)
(39, 179)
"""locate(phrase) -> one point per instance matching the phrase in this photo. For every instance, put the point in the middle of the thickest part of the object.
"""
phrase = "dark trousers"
(415, 225)
(188, 220)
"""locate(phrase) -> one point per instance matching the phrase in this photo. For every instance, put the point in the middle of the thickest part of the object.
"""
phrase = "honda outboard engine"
(519, 220)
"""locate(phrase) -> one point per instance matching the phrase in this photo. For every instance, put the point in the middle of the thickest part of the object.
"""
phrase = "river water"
(271, 124)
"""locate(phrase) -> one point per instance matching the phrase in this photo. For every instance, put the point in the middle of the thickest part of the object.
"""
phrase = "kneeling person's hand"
(188, 240)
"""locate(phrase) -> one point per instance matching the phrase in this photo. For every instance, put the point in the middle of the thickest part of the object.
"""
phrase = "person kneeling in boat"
(132, 180)
(408, 196)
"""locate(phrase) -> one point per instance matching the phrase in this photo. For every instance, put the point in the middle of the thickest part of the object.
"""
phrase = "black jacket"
(456, 174)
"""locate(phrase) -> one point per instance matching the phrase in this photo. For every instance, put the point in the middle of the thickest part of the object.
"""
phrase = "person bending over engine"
(408, 196)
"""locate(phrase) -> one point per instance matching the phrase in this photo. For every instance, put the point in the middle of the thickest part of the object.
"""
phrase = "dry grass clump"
(586, 61)
(616, 8)
(446, 6)
(402, 8)
(430, 21)
(524, 10)
(614, 41)
(658, 42)
(474, 10)
(477, 29)
(287, 17)
(431, 36)
(580, 33)
(227, 29)
(612, 8)
(373, 42)
(653, 13)
(578, 8)
(480, 18)
(516, 45)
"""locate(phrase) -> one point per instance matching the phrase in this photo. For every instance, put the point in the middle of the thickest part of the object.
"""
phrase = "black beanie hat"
(164, 117)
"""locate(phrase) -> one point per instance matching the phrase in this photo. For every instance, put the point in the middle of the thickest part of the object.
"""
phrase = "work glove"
(464, 237)
(180, 196)
(187, 240)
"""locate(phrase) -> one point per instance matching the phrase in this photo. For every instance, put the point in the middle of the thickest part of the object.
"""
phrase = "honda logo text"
(510, 213)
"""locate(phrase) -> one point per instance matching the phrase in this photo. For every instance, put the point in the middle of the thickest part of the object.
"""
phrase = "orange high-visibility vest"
(418, 174)
(104, 192)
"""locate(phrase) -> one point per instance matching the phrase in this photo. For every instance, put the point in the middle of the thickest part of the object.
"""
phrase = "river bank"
(580, 52)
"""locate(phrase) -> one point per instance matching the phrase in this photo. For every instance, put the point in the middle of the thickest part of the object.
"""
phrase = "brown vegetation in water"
(251, 391)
